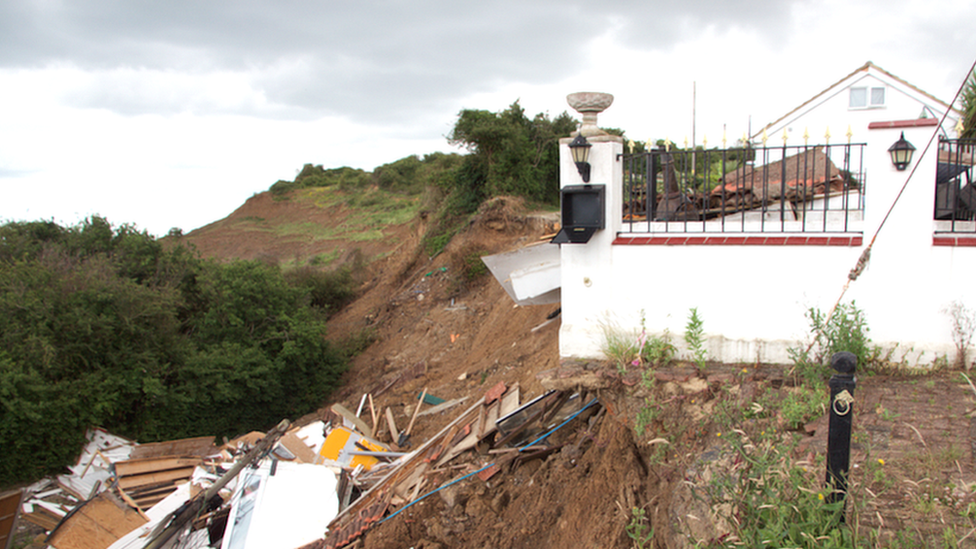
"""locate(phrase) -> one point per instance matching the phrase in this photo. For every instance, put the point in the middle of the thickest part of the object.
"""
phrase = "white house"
(752, 278)
(869, 94)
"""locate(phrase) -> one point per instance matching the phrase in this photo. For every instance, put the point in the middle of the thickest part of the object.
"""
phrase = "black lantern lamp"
(901, 153)
(580, 148)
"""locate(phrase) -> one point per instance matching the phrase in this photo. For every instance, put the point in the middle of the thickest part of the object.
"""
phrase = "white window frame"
(869, 95)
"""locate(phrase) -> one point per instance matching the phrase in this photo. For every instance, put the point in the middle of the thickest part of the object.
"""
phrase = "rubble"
(322, 485)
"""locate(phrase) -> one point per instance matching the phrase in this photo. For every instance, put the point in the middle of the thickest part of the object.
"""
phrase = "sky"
(172, 114)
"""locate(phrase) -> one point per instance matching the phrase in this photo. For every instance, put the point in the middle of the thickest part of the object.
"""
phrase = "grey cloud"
(391, 60)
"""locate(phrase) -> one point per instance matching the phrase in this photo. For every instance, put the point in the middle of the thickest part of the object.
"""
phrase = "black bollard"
(842, 386)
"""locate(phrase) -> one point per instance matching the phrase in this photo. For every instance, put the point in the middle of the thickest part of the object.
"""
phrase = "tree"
(512, 154)
(106, 327)
(969, 108)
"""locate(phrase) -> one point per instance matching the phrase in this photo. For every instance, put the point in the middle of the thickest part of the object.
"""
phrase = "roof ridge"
(863, 68)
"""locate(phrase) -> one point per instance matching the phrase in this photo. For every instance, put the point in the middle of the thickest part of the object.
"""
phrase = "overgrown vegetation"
(509, 154)
(963, 327)
(969, 108)
(773, 500)
(846, 330)
(104, 326)
(628, 349)
(695, 337)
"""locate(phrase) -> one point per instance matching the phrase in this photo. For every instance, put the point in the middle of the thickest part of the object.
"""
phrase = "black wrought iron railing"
(955, 195)
(789, 189)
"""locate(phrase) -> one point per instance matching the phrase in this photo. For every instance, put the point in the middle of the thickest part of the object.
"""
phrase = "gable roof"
(867, 68)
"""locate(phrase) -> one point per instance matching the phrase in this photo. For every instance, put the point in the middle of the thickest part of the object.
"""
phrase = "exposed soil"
(438, 327)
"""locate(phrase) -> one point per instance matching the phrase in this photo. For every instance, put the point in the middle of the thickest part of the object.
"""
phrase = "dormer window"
(865, 97)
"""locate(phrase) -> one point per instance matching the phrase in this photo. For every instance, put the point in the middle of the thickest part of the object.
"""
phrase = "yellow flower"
(718, 434)
(881, 461)
(820, 496)
(745, 371)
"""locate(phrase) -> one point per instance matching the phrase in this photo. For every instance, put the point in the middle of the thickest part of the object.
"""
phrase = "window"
(864, 97)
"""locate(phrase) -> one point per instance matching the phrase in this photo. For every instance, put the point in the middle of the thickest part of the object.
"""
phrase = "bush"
(105, 327)
(846, 330)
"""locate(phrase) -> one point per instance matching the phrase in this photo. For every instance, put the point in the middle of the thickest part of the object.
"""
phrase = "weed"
(626, 349)
(772, 501)
(845, 330)
(656, 351)
(646, 416)
(963, 327)
(695, 337)
(886, 414)
(638, 529)
(357, 342)
(802, 405)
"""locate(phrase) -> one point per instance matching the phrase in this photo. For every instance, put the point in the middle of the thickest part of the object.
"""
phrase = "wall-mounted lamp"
(580, 149)
(901, 153)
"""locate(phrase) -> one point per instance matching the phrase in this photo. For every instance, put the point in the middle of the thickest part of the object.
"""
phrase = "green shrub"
(695, 337)
(767, 499)
(104, 327)
(846, 330)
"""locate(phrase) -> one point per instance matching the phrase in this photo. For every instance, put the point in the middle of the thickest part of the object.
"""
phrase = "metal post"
(842, 386)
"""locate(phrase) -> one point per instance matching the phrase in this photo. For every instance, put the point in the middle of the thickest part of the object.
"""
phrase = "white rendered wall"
(832, 111)
(753, 299)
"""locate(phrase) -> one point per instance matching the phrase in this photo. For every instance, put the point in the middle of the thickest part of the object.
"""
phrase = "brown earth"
(441, 325)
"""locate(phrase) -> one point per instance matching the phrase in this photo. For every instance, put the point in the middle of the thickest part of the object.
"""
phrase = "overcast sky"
(172, 114)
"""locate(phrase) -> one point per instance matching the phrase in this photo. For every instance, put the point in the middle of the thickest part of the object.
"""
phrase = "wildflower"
(881, 461)
(820, 496)
(636, 362)
(718, 434)
(745, 371)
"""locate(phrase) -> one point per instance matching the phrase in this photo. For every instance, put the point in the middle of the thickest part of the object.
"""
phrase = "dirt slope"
(437, 328)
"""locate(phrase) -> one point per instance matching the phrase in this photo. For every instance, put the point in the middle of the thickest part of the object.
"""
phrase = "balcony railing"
(789, 189)
(955, 195)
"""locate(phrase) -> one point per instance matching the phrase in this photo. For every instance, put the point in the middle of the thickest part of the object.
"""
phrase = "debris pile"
(321, 485)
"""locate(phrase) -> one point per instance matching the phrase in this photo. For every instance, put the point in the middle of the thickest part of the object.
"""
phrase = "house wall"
(753, 298)
(831, 111)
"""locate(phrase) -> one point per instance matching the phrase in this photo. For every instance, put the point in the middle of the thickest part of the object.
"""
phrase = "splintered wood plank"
(42, 519)
(135, 481)
(151, 465)
(491, 416)
(9, 507)
(510, 401)
(298, 448)
(394, 433)
(96, 524)
(199, 446)
(359, 424)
